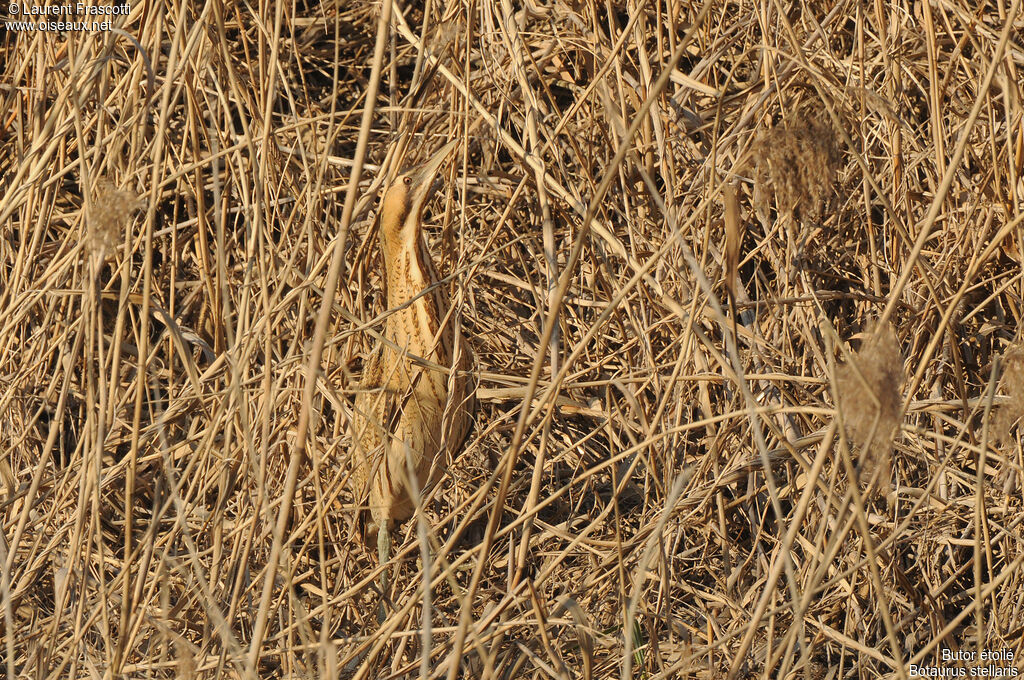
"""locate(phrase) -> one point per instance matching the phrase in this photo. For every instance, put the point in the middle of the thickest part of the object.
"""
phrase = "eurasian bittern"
(416, 396)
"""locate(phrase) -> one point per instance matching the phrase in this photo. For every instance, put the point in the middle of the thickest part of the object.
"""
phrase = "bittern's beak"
(422, 185)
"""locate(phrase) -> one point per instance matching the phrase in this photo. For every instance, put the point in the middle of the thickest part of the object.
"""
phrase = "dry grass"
(655, 486)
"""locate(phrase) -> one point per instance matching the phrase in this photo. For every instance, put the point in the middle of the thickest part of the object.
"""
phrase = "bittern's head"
(401, 210)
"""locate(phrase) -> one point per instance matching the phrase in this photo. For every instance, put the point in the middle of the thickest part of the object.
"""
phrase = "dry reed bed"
(680, 496)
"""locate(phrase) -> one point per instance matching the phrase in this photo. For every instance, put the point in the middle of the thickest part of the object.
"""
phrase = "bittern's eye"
(407, 180)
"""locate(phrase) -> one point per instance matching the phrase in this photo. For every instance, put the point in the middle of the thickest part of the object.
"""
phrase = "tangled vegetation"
(743, 281)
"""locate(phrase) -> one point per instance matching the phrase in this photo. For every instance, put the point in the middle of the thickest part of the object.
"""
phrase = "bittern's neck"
(409, 268)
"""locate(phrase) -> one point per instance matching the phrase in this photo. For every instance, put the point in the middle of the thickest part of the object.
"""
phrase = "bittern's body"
(414, 406)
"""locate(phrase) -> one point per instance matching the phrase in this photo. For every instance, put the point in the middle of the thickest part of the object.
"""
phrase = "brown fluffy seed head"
(108, 217)
(1012, 382)
(869, 390)
(796, 162)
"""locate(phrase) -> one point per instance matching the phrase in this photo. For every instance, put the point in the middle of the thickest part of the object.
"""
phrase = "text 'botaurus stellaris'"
(416, 396)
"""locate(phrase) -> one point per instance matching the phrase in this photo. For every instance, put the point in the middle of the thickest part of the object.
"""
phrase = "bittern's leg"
(383, 554)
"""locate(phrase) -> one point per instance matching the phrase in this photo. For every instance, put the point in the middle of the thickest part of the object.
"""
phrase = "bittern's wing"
(370, 420)
(460, 407)
(377, 413)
